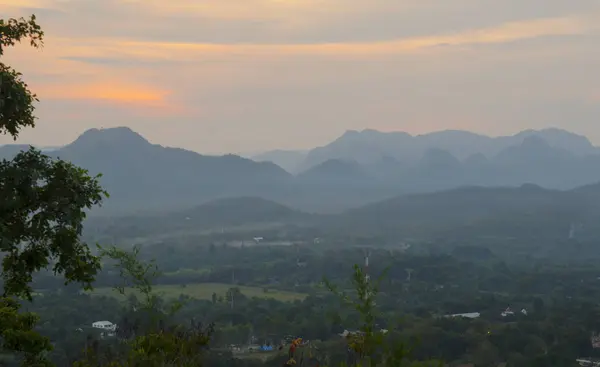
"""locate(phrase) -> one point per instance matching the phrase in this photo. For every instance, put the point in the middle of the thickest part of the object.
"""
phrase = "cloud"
(217, 76)
(112, 61)
(86, 63)
(285, 22)
(180, 52)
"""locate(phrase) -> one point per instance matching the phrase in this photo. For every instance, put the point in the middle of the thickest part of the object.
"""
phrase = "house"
(470, 315)
(104, 325)
(346, 333)
(587, 362)
(300, 264)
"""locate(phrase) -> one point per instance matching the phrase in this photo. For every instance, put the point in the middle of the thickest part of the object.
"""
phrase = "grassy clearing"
(188, 272)
(206, 290)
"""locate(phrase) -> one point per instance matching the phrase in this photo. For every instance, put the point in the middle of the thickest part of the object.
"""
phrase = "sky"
(219, 76)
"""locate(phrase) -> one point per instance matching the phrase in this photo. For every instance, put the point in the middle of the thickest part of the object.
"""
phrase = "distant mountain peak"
(555, 137)
(549, 130)
(451, 132)
(531, 187)
(110, 137)
(348, 135)
(371, 133)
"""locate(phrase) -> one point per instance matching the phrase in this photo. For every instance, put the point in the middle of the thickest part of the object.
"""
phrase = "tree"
(370, 347)
(42, 207)
(16, 105)
(18, 327)
(160, 342)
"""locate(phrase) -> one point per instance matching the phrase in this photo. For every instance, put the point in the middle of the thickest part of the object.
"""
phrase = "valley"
(424, 192)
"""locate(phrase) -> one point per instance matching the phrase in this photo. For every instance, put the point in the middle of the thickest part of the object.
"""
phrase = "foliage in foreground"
(148, 336)
(42, 207)
(370, 347)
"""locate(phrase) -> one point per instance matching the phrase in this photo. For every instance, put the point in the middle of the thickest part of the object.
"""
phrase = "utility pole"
(231, 290)
(366, 270)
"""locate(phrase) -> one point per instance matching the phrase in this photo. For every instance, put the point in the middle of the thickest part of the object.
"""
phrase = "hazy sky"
(249, 75)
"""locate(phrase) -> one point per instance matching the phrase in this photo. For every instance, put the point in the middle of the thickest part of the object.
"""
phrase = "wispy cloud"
(247, 72)
(166, 51)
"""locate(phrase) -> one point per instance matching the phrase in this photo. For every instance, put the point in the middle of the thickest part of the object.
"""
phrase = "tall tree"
(42, 207)
(161, 342)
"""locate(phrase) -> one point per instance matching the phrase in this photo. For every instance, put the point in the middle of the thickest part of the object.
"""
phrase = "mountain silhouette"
(368, 146)
(141, 176)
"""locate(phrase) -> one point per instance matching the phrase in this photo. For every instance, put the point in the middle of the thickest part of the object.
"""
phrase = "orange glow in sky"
(104, 91)
(245, 75)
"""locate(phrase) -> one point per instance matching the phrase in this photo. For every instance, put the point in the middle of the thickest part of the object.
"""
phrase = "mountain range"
(527, 212)
(550, 158)
(371, 146)
(356, 169)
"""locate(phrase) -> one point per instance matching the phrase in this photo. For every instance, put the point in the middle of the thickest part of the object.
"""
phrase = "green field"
(206, 290)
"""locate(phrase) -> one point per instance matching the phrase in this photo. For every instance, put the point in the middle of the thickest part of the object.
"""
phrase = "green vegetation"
(560, 300)
(521, 262)
(149, 339)
(41, 210)
(205, 291)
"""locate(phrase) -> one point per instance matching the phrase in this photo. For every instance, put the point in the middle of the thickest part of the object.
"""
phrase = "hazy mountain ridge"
(531, 160)
(144, 176)
(289, 160)
(141, 175)
(369, 146)
(213, 215)
(503, 212)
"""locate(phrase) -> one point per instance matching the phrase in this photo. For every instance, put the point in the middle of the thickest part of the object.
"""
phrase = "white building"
(587, 362)
(104, 325)
(469, 315)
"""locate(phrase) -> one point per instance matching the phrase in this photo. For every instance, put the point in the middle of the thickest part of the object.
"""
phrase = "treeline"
(553, 333)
